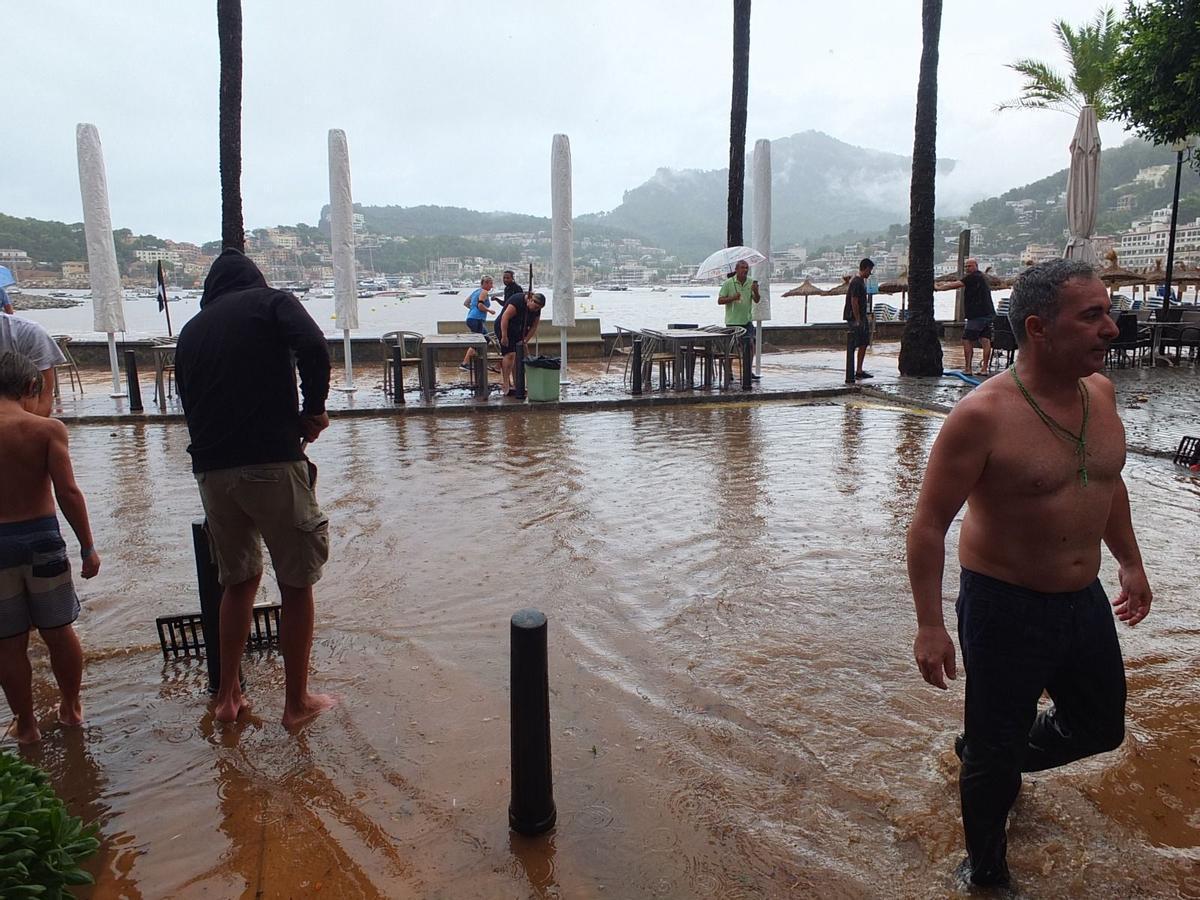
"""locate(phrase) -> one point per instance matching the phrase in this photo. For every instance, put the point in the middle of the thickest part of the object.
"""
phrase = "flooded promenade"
(735, 708)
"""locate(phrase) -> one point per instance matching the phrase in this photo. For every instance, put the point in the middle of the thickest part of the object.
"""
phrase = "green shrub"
(41, 844)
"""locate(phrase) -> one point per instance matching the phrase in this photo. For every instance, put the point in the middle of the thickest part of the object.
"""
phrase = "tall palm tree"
(229, 39)
(920, 347)
(1090, 50)
(737, 122)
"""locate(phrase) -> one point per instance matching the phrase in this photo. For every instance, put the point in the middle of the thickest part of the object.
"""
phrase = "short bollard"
(747, 364)
(531, 810)
(519, 375)
(398, 374)
(131, 380)
(850, 357)
(210, 603)
(636, 386)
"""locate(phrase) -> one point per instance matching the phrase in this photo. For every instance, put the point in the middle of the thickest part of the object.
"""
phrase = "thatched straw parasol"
(806, 289)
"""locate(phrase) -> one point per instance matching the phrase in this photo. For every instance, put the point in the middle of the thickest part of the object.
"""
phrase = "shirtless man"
(1037, 455)
(35, 576)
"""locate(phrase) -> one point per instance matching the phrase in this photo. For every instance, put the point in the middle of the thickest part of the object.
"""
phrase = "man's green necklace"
(1079, 440)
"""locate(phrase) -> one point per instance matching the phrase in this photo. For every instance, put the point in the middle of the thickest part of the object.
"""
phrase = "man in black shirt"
(979, 312)
(516, 325)
(856, 313)
(511, 287)
(235, 367)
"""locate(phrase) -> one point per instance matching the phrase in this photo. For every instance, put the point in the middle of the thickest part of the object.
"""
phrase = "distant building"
(1040, 253)
(1145, 245)
(1127, 202)
(1155, 175)
(157, 254)
(15, 259)
(75, 271)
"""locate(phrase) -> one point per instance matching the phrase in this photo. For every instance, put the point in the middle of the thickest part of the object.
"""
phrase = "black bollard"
(636, 386)
(398, 375)
(850, 356)
(210, 603)
(747, 363)
(531, 810)
(131, 380)
(519, 375)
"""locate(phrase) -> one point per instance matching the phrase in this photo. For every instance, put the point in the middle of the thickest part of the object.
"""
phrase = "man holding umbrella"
(738, 295)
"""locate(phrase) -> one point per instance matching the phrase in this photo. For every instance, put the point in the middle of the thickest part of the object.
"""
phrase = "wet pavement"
(1158, 405)
(735, 711)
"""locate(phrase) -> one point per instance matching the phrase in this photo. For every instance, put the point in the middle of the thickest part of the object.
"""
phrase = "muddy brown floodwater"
(735, 709)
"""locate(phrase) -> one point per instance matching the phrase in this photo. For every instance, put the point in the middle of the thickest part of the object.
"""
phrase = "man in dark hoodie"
(235, 367)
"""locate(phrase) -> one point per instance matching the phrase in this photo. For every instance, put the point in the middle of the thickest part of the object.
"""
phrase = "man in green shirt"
(738, 296)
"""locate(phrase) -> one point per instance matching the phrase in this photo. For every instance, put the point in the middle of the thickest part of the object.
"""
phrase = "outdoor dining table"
(682, 342)
(1156, 333)
(432, 343)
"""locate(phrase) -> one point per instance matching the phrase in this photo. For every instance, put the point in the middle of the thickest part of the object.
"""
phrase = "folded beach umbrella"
(108, 311)
(341, 236)
(1083, 188)
(723, 261)
(761, 168)
(562, 241)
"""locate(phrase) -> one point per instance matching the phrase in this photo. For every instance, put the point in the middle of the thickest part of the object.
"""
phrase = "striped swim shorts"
(35, 577)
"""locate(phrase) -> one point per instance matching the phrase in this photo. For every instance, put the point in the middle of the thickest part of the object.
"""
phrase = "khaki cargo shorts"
(275, 501)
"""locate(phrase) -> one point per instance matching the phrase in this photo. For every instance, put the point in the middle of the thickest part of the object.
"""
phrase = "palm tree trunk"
(229, 38)
(920, 347)
(737, 122)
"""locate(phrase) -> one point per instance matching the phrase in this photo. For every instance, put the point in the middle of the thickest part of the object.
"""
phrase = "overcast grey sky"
(454, 102)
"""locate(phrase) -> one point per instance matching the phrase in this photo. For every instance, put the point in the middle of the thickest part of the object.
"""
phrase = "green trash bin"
(541, 378)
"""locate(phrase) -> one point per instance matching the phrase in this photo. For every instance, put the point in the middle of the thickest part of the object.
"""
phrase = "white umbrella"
(762, 237)
(723, 261)
(108, 312)
(1083, 188)
(341, 236)
(562, 253)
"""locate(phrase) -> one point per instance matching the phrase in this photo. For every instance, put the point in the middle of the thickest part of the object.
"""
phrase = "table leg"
(678, 381)
(159, 389)
(428, 373)
(481, 379)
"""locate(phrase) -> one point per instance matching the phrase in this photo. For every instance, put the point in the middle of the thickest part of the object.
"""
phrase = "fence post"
(850, 356)
(531, 810)
(398, 373)
(636, 385)
(131, 379)
(747, 362)
(519, 375)
(210, 603)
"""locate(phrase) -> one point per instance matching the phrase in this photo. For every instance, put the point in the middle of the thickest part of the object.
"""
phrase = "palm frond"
(1043, 88)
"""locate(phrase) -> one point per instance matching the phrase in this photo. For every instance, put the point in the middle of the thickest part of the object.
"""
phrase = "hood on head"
(232, 271)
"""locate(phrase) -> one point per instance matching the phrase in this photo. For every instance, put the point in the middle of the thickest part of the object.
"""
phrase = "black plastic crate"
(182, 635)
(1188, 453)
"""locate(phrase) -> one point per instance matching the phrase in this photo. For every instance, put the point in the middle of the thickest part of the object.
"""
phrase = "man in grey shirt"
(30, 339)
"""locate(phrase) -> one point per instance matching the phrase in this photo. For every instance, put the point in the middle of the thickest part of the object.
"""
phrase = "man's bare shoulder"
(980, 407)
(1101, 386)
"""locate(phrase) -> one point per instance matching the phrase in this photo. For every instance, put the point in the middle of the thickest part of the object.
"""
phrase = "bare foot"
(70, 713)
(312, 706)
(24, 734)
(228, 710)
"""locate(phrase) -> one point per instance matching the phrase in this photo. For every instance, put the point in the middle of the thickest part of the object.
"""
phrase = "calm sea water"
(635, 308)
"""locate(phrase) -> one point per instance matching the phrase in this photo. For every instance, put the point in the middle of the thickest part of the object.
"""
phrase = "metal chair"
(729, 350)
(1003, 341)
(68, 364)
(164, 368)
(622, 345)
(1131, 344)
(393, 339)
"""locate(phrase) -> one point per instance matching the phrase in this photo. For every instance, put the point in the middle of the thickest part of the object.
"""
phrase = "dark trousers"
(1017, 643)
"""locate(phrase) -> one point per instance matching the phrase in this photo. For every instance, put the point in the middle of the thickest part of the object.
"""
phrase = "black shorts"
(862, 334)
(479, 326)
(978, 329)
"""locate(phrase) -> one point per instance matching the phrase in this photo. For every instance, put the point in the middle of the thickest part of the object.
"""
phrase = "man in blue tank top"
(479, 304)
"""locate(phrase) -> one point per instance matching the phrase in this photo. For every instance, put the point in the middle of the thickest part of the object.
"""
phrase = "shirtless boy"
(1036, 454)
(35, 574)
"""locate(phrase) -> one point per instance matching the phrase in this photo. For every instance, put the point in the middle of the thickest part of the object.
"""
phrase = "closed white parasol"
(341, 235)
(108, 311)
(1083, 188)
